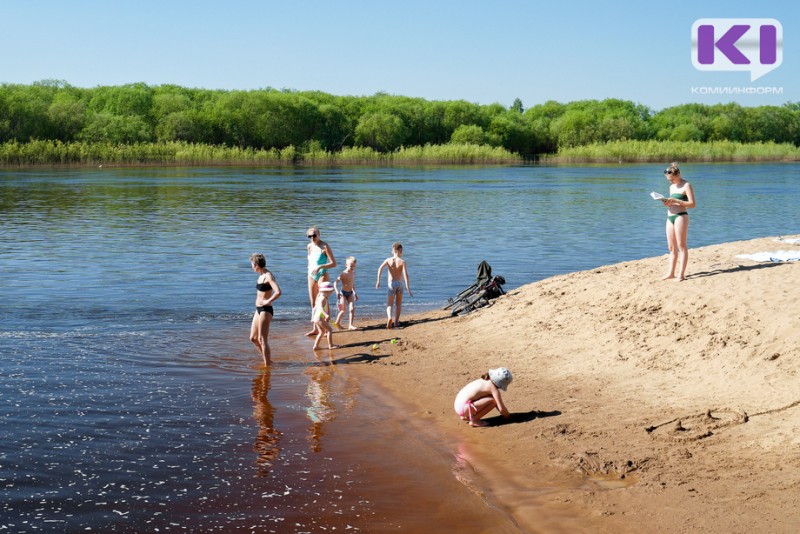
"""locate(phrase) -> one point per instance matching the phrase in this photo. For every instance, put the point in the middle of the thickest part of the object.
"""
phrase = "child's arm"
(405, 277)
(498, 399)
(336, 286)
(380, 270)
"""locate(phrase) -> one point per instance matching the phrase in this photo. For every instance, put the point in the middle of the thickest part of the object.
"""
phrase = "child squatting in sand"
(347, 294)
(320, 315)
(481, 396)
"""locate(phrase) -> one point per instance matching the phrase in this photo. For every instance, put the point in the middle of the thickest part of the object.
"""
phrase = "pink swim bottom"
(465, 410)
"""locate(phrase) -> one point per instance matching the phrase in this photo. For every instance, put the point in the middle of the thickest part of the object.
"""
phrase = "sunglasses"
(669, 171)
(312, 236)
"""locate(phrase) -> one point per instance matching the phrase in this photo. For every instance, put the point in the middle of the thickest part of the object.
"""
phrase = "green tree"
(117, 129)
(512, 133)
(381, 131)
(469, 134)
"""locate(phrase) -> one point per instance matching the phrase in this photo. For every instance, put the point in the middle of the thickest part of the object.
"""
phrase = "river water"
(131, 399)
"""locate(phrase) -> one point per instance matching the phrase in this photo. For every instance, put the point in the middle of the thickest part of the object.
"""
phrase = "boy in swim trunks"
(481, 396)
(347, 295)
(396, 268)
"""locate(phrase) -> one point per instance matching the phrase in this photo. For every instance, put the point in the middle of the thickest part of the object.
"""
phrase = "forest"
(53, 122)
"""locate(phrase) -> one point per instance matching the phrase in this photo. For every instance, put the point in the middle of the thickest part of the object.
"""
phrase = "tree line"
(313, 121)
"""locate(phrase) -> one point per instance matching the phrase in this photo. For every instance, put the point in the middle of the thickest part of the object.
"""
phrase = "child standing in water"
(397, 273)
(481, 396)
(321, 316)
(347, 295)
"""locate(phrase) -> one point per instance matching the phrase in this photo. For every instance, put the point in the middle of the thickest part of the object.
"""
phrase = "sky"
(481, 51)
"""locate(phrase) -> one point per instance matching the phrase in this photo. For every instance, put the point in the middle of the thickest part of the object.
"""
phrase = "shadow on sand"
(404, 324)
(736, 269)
(520, 417)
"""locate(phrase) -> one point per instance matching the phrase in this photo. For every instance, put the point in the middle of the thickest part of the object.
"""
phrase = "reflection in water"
(321, 409)
(321, 390)
(266, 445)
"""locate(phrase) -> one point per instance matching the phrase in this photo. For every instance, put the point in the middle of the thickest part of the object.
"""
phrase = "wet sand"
(331, 450)
(637, 404)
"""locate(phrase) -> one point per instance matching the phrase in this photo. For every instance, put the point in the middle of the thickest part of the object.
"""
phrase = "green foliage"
(665, 151)
(182, 153)
(321, 124)
(381, 131)
(116, 129)
(469, 134)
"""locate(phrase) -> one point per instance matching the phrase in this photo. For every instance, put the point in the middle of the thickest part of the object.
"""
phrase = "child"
(481, 396)
(347, 295)
(396, 267)
(320, 315)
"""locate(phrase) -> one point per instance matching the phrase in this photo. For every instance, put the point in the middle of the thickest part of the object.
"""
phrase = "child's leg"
(389, 304)
(483, 407)
(352, 308)
(398, 305)
(329, 337)
(338, 320)
(320, 333)
(326, 328)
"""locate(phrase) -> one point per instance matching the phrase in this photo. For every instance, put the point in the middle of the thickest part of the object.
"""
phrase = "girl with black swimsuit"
(267, 292)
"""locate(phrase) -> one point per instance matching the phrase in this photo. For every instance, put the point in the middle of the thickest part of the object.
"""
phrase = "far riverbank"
(49, 153)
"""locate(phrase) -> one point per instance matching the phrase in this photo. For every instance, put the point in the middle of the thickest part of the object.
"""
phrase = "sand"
(637, 404)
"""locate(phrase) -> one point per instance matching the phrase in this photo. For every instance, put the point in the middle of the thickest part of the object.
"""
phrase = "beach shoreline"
(637, 403)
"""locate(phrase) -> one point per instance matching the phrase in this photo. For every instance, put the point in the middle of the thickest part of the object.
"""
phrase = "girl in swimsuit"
(321, 316)
(680, 199)
(267, 292)
(481, 396)
(320, 259)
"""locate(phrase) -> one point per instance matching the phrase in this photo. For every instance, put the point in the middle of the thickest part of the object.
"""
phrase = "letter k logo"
(726, 44)
(753, 45)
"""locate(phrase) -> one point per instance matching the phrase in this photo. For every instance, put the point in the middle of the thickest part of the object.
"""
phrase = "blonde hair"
(258, 260)
(350, 260)
(674, 167)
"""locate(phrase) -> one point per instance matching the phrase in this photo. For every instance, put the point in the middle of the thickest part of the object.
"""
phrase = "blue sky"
(480, 51)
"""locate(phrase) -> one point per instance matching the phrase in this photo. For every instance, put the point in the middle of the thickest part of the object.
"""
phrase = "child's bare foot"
(351, 327)
(667, 277)
(478, 423)
(312, 333)
(389, 323)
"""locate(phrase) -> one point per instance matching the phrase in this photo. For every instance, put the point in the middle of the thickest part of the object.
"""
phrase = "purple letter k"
(726, 44)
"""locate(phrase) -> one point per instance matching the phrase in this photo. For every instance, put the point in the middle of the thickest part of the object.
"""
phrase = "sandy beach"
(638, 405)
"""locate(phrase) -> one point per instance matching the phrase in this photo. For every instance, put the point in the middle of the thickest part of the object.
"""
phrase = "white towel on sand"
(775, 256)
